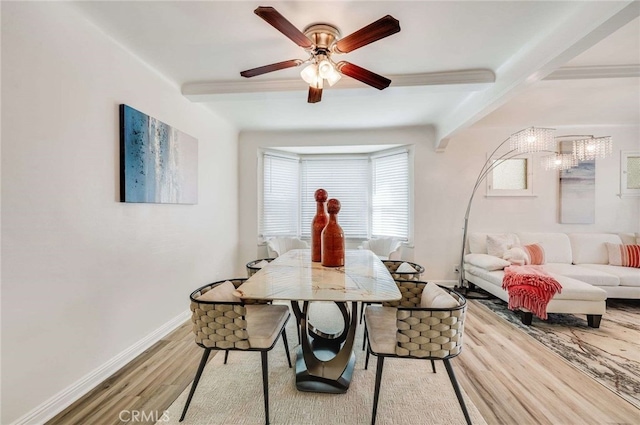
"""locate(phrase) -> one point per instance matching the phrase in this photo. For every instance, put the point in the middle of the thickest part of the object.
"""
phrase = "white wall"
(84, 277)
(443, 184)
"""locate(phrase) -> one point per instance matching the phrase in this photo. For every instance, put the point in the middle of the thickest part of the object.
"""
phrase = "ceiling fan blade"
(270, 68)
(315, 95)
(279, 22)
(383, 27)
(364, 75)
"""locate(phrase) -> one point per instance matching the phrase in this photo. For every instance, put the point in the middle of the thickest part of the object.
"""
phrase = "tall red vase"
(317, 225)
(333, 237)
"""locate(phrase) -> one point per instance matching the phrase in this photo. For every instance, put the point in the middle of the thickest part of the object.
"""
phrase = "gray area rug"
(410, 393)
(609, 354)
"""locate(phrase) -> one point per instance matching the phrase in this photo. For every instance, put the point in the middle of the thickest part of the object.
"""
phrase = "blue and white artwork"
(577, 191)
(159, 163)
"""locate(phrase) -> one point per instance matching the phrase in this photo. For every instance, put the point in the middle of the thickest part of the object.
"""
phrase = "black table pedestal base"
(307, 382)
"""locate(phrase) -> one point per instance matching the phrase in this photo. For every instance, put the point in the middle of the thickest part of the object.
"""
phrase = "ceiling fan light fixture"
(325, 68)
(320, 41)
(310, 74)
(333, 77)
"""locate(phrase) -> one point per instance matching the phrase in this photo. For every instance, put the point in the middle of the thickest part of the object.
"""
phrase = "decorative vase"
(318, 224)
(333, 237)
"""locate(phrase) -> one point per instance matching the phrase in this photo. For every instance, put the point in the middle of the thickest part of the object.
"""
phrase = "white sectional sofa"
(579, 261)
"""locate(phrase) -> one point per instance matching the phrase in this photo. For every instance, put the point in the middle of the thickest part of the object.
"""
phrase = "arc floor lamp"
(536, 140)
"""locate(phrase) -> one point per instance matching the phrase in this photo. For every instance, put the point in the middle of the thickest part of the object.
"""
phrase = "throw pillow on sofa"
(624, 255)
(516, 256)
(535, 252)
(498, 244)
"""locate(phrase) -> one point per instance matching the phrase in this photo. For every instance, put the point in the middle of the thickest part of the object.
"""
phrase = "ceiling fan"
(321, 41)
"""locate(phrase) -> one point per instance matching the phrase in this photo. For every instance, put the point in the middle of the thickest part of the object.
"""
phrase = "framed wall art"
(577, 190)
(158, 163)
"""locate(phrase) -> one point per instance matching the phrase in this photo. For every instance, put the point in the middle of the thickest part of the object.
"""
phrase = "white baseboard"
(69, 395)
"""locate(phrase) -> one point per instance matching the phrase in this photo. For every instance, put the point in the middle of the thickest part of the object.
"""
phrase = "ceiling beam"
(601, 71)
(472, 79)
(593, 22)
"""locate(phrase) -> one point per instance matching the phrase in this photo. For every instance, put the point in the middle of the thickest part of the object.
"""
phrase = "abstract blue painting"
(158, 163)
(577, 191)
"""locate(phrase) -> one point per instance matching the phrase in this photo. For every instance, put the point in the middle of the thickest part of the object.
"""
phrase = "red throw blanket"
(530, 287)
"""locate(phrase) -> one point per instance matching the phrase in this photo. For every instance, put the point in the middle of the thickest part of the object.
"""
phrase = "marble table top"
(293, 276)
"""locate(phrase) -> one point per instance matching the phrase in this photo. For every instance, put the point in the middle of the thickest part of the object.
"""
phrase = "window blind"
(390, 195)
(346, 179)
(281, 194)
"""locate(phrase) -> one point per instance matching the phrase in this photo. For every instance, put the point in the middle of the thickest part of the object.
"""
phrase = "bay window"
(374, 190)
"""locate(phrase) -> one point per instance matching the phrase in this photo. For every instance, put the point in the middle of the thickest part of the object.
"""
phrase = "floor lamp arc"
(534, 140)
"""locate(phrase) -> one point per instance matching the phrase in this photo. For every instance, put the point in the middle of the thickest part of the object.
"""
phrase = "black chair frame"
(446, 360)
(263, 351)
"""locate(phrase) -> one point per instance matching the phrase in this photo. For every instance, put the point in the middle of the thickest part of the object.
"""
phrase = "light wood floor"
(510, 377)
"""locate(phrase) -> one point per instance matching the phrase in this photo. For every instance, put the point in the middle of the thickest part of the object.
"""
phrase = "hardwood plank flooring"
(150, 383)
(509, 376)
(513, 379)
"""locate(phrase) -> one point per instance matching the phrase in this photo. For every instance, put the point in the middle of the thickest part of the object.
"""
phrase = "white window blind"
(390, 195)
(281, 194)
(346, 179)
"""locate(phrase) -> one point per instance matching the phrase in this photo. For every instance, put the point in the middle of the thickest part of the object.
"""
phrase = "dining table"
(325, 359)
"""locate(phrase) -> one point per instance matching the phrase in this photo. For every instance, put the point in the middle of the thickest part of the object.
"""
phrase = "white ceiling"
(198, 45)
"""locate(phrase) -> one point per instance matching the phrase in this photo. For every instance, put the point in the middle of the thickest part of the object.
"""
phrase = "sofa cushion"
(624, 255)
(486, 261)
(478, 241)
(590, 276)
(590, 248)
(628, 276)
(557, 248)
(572, 289)
(630, 238)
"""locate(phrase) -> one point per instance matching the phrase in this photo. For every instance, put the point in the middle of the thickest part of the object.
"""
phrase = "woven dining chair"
(279, 245)
(427, 324)
(254, 266)
(384, 247)
(222, 321)
(400, 270)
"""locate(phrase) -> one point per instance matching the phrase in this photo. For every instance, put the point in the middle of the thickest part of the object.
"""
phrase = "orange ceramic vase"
(317, 225)
(333, 238)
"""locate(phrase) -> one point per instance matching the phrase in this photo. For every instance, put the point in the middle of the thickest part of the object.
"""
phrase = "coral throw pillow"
(535, 253)
(624, 255)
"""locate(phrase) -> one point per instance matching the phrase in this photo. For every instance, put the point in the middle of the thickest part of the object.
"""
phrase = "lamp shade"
(310, 74)
(327, 70)
(559, 161)
(592, 148)
(532, 139)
